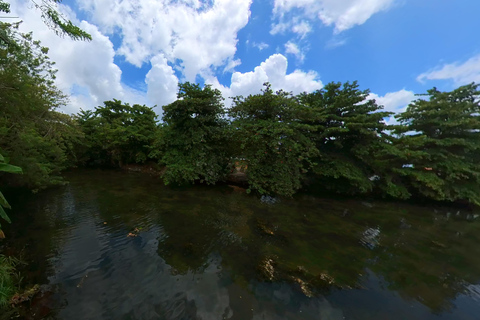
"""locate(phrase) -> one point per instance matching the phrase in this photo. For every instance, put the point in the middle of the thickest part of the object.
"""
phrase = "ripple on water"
(197, 251)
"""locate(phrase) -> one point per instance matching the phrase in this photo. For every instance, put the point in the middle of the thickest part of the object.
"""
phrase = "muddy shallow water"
(218, 253)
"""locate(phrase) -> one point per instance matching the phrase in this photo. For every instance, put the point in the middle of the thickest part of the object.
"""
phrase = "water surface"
(218, 253)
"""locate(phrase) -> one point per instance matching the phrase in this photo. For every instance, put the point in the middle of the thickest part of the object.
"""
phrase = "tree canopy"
(117, 133)
(195, 137)
(443, 145)
(334, 138)
(272, 140)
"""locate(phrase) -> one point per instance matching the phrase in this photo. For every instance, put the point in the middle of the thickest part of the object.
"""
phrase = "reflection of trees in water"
(433, 261)
(199, 226)
(417, 253)
(315, 243)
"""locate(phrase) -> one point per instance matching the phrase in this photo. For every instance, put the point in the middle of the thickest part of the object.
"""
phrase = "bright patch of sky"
(142, 49)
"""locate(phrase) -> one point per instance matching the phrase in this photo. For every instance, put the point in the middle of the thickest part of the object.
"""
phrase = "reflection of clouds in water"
(295, 305)
(473, 290)
(110, 276)
(211, 299)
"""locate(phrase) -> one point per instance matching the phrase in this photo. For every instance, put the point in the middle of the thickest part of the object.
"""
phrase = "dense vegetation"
(33, 134)
(335, 138)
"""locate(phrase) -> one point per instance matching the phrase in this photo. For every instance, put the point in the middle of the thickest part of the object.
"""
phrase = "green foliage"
(195, 136)
(335, 136)
(8, 283)
(349, 134)
(118, 134)
(443, 147)
(32, 134)
(53, 19)
(272, 140)
(60, 25)
(4, 6)
(5, 167)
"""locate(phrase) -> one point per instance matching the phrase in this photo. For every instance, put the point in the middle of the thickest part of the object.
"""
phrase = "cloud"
(260, 46)
(86, 70)
(394, 101)
(335, 42)
(231, 64)
(343, 14)
(162, 83)
(273, 70)
(292, 48)
(460, 73)
(280, 27)
(198, 36)
(302, 28)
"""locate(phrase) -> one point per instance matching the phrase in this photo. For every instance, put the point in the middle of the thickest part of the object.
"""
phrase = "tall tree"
(442, 147)
(272, 141)
(118, 133)
(32, 134)
(350, 132)
(195, 136)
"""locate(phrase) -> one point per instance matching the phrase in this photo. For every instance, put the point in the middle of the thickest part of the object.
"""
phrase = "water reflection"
(216, 253)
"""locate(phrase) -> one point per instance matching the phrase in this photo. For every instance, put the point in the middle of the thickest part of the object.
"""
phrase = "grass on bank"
(8, 279)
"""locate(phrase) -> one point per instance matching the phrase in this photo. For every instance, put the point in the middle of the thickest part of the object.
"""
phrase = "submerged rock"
(304, 287)
(267, 268)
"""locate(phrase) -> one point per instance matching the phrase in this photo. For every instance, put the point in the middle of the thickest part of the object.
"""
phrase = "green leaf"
(4, 202)
(9, 168)
(2, 159)
(3, 215)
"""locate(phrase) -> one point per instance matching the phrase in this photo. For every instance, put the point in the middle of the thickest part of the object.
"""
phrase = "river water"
(217, 253)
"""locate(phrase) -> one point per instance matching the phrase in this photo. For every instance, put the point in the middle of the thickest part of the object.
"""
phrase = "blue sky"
(143, 48)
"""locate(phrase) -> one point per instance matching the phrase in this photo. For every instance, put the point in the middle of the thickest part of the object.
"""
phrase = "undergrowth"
(9, 279)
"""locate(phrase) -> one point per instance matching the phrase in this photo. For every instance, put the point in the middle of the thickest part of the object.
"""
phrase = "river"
(117, 245)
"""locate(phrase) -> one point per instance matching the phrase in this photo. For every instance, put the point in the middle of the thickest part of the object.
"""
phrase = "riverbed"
(119, 245)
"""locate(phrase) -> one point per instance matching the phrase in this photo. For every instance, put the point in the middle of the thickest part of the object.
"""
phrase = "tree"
(5, 167)
(272, 140)
(52, 18)
(195, 136)
(117, 133)
(443, 147)
(349, 132)
(32, 134)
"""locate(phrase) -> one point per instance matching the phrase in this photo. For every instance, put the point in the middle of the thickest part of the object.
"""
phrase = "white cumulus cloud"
(394, 101)
(197, 36)
(273, 70)
(85, 69)
(162, 82)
